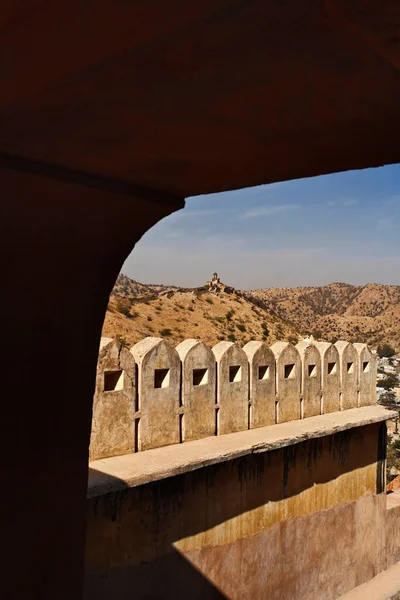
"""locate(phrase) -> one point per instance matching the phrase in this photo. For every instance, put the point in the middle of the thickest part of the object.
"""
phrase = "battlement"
(156, 395)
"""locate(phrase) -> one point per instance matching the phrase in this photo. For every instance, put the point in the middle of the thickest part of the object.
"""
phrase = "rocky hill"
(369, 313)
(128, 288)
(136, 310)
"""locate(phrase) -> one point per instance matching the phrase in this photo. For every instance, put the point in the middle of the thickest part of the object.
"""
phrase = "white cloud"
(271, 209)
(350, 202)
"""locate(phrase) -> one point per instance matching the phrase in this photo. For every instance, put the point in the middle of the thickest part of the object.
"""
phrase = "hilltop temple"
(215, 285)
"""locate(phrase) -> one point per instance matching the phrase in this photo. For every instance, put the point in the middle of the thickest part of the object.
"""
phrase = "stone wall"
(164, 395)
(305, 521)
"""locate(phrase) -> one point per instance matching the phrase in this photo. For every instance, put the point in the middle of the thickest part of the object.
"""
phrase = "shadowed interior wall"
(256, 527)
(63, 245)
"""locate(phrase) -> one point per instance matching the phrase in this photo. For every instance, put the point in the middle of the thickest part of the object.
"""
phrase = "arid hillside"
(136, 310)
(369, 313)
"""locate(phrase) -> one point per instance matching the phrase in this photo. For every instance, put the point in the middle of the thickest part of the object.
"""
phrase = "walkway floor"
(385, 586)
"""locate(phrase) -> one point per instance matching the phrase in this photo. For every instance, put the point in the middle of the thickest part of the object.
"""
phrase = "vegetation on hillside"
(136, 310)
(369, 313)
(393, 458)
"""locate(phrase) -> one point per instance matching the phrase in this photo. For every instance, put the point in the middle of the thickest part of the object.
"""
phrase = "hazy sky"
(341, 227)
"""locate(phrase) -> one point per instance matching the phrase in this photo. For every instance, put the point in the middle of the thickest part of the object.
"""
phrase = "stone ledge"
(131, 470)
(385, 586)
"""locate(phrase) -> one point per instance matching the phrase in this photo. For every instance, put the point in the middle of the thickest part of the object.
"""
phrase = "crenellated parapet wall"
(156, 395)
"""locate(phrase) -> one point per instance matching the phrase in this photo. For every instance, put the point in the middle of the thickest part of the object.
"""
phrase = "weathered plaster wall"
(113, 422)
(393, 535)
(159, 377)
(192, 392)
(348, 374)
(367, 367)
(232, 388)
(198, 396)
(310, 379)
(256, 527)
(330, 372)
(288, 381)
(261, 384)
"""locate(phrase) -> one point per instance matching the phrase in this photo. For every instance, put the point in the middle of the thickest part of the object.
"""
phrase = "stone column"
(63, 243)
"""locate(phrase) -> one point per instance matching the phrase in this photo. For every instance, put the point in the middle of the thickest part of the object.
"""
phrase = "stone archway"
(204, 98)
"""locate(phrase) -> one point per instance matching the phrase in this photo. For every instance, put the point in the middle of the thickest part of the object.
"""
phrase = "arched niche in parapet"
(288, 381)
(330, 380)
(159, 370)
(366, 375)
(261, 384)
(348, 374)
(310, 379)
(232, 388)
(113, 431)
(198, 393)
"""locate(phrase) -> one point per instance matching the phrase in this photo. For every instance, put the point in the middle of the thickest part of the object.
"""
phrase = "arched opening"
(307, 375)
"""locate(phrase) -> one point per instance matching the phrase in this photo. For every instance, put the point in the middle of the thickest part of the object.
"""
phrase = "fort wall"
(263, 475)
(165, 396)
(304, 521)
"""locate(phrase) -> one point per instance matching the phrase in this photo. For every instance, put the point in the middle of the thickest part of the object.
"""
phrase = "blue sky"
(340, 227)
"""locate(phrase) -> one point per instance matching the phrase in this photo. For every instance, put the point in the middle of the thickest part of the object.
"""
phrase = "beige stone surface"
(113, 402)
(385, 586)
(158, 393)
(330, 376)
(198, 392)
(348, 374)
(131, 470)
(288, 381)
(232, 388)
(261, 383)
(257, 528)
(367, 366)
(310, 379)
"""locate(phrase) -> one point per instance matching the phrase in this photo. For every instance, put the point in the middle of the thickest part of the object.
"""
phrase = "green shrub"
(385, 350)
(149, 318)
(123, 306)
(165, 332)
(241, 327)
(389, 382)
(122, 340)
(265, 329)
